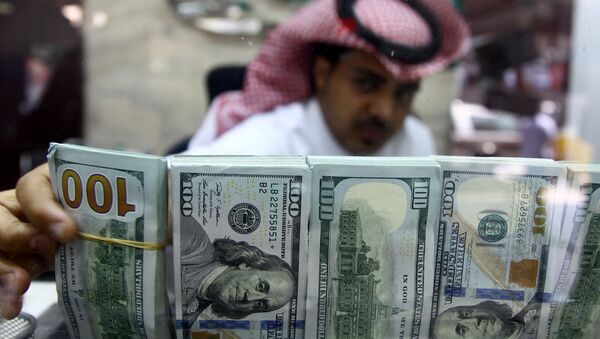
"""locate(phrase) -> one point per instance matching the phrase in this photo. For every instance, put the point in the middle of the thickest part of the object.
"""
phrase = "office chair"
(219, 80)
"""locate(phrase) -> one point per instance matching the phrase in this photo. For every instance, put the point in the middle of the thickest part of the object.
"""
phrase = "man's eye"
(366, 85)
(260, 305)
(461, 330)
(404, 95)
(465, 313)
(262, 287)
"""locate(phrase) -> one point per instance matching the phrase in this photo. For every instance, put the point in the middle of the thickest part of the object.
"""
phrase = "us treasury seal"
(492, 228)
(244, 218)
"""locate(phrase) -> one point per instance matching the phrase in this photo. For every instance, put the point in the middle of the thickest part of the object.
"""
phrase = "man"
(355, 103)
(234, 278)
(338, 78)
(488, 319)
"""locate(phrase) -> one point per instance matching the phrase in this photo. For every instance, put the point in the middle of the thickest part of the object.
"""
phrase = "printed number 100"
(420, 194)
(101, 203)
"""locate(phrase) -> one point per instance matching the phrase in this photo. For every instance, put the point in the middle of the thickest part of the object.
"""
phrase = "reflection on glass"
(229, 17)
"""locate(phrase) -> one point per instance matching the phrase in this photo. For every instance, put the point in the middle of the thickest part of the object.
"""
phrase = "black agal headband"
(403, 53)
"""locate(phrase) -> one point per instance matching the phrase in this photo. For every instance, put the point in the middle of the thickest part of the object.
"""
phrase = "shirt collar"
(319, 136)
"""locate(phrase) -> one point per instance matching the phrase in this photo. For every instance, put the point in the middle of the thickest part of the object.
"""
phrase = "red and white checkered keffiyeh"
(280, 74)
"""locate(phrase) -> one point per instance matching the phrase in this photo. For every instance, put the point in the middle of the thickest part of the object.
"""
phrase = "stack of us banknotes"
(327, 247)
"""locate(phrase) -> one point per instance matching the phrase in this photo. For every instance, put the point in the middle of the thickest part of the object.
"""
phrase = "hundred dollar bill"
(575, 308)
(240, 246)
(498, 219)
(371, 240)
(108, 288)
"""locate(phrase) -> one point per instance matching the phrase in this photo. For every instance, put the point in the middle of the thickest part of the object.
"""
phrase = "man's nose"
(470, 322)
(383, 106)
(252, 295)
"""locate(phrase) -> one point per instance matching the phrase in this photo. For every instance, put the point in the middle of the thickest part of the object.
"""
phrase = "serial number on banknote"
(290, 199)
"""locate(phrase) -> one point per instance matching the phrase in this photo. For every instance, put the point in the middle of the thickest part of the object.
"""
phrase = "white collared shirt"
(299, 129)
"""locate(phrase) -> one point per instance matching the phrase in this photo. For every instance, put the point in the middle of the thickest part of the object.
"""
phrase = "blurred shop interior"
(132, 75)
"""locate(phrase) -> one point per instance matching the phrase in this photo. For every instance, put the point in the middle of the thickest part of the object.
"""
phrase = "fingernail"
(8, 296)
(10, 304)
(57, 230)
(6, 279)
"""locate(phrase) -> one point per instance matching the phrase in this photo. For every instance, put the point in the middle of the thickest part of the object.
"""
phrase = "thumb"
(37, 201)
(14, 281)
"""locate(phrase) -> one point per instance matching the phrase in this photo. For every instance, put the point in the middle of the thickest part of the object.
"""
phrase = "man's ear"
(321, 70)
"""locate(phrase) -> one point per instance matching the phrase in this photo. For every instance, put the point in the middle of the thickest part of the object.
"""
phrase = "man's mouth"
(371, 135)
(484, 324)
(234, 297)
(372, 131)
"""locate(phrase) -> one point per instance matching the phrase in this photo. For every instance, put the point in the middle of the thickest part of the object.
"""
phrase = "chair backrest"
(218, 80)
(224, 78)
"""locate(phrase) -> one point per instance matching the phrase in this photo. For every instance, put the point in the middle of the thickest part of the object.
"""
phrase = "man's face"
(250, 290)
(469, 322)
(363, 105)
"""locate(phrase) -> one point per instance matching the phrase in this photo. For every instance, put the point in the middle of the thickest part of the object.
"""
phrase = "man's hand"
(32, 224)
